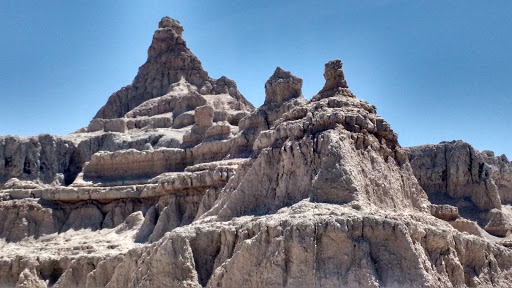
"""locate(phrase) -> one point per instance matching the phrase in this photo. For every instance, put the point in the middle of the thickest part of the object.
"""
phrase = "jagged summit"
(175, 25)
(335, 82)
(169, 60)
(282, 86)
(334, 76)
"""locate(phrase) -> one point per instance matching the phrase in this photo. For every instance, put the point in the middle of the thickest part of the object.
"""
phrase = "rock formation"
(478, 183)
(179, 181)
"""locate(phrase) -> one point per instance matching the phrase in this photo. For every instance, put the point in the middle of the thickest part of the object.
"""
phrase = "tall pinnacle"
(282, 86)
(175, 25)
(169, 61)
(334, 76)
(335, 83)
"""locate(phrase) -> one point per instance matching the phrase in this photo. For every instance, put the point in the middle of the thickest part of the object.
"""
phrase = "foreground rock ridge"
(178, 181)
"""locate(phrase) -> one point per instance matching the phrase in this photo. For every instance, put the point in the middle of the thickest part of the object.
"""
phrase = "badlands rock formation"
(477, 183)
(179, 181)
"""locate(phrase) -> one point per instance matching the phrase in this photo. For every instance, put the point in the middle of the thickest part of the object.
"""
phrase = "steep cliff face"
(457, 169)
(44, 159)
(478, 183)
(179, 182)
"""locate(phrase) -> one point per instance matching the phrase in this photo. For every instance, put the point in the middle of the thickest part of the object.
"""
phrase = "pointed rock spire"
(169, 61)
(334, 76)
(282, 86)
(168, 22)
(335, 83)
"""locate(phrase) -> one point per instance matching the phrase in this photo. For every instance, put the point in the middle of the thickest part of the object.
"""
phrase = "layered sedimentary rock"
(457, 169)
(169, 61)
(477, 182)
(44, 159)
(179, 182)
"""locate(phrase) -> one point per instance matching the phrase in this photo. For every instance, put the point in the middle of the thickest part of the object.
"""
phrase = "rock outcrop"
(478, 183)
(169, 61)
(455, 168)
(44, 159)
(282, 86)
(179, 181)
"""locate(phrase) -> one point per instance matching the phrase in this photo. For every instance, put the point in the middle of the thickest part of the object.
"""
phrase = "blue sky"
(436, 70)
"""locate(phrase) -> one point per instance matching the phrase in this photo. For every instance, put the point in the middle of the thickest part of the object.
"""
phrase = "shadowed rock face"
(175, 25)
(477, 182)
(45, 159)
(179, 182)
(282, 86)
(457, 169)
(335, 82)
(334, 76)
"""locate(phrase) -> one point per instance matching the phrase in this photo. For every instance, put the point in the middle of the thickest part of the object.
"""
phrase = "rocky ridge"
(478, 184)
(179, 181)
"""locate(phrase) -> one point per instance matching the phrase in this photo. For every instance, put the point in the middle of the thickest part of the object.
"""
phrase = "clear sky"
(436, 70)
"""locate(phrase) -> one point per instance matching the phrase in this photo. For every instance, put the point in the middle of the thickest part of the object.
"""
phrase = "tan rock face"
(169, 61)
(499, 224)
(444, 212)
(175, 25)
(120, 164)
(179, 182)
(319, 245)
(457, 169)
(455, 172)
(334, 81)
(204, 116)
(282, 86)
(45, 159)
(334, 76)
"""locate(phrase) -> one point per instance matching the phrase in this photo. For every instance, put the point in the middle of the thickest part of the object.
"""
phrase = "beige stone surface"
(457, 169)
(468, 226)
(282, 86)
(499, 223)
(132, 163)
(444, 212)
(323, 245)
(454, 172)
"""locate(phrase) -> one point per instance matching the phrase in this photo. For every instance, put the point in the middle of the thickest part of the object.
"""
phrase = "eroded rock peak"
(335, 83)
(334, 76)
(168, 22)
(169, 61)
(282, 86)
